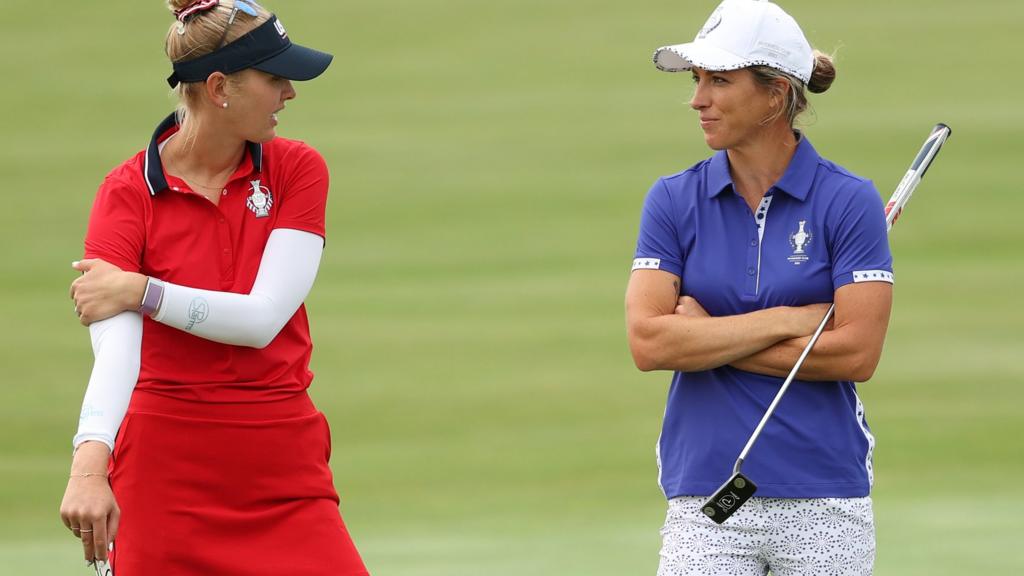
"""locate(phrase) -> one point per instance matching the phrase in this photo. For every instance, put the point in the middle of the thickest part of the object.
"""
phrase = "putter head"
(729, 498)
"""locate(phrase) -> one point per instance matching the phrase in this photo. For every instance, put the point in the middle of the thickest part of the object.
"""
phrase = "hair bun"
(824, 73)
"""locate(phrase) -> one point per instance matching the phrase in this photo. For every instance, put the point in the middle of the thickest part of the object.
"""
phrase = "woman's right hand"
(88, 508)
(104, 290)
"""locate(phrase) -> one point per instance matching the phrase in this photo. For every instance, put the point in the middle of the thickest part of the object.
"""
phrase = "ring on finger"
(84, 531)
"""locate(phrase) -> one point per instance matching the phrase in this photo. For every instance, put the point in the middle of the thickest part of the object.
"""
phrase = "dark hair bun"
(824, 73)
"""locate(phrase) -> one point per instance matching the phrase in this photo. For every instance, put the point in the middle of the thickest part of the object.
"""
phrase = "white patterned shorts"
(788, 536)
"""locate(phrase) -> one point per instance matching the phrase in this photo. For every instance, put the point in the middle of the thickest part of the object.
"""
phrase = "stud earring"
(224, 105)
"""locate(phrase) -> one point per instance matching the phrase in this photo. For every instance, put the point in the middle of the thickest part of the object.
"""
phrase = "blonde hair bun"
(178, 5)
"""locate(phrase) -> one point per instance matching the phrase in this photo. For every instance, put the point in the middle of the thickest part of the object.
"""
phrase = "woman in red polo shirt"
(198, 448)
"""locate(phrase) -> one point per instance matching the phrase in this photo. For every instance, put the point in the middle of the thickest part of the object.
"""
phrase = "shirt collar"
(799, 175)
(719, 178)
(153, 168)
(796, 180)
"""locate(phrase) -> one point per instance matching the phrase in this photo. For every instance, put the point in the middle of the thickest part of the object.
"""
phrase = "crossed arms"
(668, 332)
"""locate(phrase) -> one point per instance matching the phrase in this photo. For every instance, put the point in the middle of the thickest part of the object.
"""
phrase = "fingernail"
(74, 263)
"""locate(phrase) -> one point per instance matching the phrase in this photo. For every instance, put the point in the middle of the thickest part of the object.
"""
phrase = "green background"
(489, 160)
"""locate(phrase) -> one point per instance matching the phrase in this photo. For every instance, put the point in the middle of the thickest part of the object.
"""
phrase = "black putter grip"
(729, 498)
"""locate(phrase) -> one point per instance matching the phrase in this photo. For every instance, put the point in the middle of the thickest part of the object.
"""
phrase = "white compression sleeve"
(117, 348)
(287, 271)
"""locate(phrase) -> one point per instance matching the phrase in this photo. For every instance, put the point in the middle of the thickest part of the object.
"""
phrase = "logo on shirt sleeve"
(799, 240)
(260, 201)
(646, 264)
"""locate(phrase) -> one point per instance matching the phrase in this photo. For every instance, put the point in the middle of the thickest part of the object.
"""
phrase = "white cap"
(742, 33)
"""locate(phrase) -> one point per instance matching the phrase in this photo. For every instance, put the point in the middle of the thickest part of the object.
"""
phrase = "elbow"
(863, 367)
(648, 360)
(261, 335)
(653, 349)
(266, 325)
(258, 343)
(862, 374)
(134, 365)
(645, 350)
(261, 339)
(644, 361)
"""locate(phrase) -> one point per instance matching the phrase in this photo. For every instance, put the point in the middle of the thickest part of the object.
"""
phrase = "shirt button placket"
(754, 247)
(226, 257)
(750, 281)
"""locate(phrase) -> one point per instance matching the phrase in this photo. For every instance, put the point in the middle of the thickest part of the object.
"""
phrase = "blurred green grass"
(488, 164)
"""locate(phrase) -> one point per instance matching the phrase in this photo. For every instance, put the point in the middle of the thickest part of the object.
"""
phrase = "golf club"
(739, 488)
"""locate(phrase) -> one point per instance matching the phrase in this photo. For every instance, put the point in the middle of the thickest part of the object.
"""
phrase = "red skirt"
(212, 489)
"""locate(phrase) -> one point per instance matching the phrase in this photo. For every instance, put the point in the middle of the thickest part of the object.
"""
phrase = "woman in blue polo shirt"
(737, 260)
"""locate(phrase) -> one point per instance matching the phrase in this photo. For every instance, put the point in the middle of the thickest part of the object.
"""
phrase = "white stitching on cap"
(745, 64)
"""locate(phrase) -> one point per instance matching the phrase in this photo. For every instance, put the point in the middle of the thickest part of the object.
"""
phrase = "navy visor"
(266, 48)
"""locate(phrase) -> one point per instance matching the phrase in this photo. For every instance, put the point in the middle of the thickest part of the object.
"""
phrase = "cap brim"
(682, 57)
(296, 63)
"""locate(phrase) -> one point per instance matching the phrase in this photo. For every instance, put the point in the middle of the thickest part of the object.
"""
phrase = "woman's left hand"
(104, 290)
(688, 306)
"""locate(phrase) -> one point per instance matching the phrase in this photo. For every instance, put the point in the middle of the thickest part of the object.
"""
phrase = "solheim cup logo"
(799, 241)
(713, 21)
(260, 201)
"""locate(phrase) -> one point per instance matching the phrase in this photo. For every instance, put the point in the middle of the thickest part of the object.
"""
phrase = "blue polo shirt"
(818, 228)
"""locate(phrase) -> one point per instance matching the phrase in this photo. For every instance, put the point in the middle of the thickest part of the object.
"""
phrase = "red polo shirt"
(145, 220)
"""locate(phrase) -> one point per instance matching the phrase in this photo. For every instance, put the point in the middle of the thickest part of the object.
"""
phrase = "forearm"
(850, 351)
(837, 355)
(116, 344)
(287, 271)
(238, 319)
(690, 344)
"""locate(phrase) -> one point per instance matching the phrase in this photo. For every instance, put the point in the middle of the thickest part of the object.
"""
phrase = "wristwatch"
(152, 297)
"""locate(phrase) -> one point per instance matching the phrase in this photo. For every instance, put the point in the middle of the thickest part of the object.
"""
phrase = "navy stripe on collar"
(153, 169)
